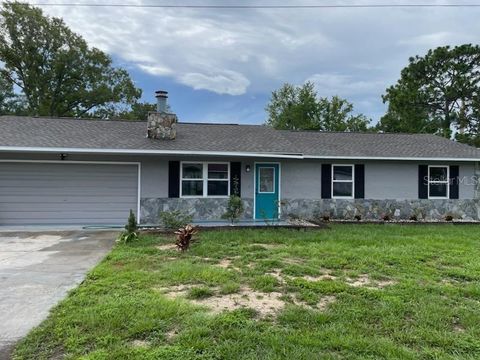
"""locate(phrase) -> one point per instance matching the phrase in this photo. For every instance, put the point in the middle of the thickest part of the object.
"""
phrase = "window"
(266, 182)
(342, 181)
(438, 182)
(202, 179)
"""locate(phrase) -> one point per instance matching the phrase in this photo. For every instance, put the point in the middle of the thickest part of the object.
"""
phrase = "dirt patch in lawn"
(319, 277)
(277, 274)
(140, 343)
(293, 261)
(364, 280)
(166, 247)
(227, 264)
(268, 246)
(265, 304)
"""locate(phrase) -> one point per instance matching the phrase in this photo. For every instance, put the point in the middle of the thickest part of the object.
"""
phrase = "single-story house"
(88, 172)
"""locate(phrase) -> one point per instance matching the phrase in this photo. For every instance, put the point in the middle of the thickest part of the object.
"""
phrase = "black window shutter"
(359, 181)
(236, 173)
(423, 181)
(326, 181)
(174, 179)
(454, 174)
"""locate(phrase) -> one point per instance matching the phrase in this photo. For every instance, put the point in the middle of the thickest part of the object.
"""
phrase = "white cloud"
(344, 85)
(435, 39)
(155, 69)
(355, 53)
(229, 82)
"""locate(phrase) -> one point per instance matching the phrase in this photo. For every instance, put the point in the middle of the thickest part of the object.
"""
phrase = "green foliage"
(201, 292)
(429, 312)
(265, 283)
(56, 71)
(10, 103)
(299, 108)
(437, 92)
(138, 111)
(131, 229)
(176, 219)
(229, 287)
(235, 209)
(131, 223)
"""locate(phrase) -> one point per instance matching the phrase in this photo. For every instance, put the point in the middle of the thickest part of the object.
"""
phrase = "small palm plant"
(131, 229)
(185, 237)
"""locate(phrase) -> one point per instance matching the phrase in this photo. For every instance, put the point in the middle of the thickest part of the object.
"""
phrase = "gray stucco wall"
(399, 180)
(301, 179)
(387, 185)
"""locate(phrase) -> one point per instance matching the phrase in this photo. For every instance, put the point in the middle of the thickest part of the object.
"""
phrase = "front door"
(266, 191)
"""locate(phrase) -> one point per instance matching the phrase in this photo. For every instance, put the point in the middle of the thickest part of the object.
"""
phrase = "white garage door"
(67, 193)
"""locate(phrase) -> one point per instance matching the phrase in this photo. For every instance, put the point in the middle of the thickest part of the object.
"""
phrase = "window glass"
(218, 171)
(438, 190)
(266, 180)
(343, 189)
(217, 188)
(342, 181)
(205, 179)
(438, 173)
(192, 171)
(342, 173)
(192, 188)
(438, 181)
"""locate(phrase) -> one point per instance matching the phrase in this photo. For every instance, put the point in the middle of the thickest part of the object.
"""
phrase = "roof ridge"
(69, 118)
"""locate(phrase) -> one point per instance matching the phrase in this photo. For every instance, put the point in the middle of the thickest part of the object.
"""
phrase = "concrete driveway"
(37, 269)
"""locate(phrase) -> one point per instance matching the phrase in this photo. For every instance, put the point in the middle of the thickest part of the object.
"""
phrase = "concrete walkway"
(37, 269)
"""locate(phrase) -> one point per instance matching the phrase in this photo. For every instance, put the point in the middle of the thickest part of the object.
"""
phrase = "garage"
(67, 193)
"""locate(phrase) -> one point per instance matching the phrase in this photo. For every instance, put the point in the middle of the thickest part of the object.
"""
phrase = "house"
(73, 171)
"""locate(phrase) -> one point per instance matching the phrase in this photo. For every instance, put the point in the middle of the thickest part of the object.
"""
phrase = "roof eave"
(102, 151)
(391, 158)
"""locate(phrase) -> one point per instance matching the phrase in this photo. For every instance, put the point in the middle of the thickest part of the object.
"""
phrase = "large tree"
(299, 108)
(437, 93)
(55, 70)
(137, 111)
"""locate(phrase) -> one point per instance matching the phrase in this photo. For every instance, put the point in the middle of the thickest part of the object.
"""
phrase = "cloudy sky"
(220, 65)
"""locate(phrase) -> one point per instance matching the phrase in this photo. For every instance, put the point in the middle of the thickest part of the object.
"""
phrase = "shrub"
(131, 229)
(185, 237)
(448, 218)
(386, 217)
(234, 209)
(173, 220)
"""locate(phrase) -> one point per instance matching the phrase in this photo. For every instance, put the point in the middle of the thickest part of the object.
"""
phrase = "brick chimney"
(160, 123)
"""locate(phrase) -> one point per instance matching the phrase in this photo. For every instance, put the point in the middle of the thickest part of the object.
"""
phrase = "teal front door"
(266, 191)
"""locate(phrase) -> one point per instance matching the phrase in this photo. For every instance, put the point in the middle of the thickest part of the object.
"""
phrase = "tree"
(337, 115)
(299, 108)
(10, 103)
(137, 111)
(438, 93)
(56, 71)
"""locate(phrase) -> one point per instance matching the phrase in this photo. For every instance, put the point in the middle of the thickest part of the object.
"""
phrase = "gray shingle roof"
(30, 132)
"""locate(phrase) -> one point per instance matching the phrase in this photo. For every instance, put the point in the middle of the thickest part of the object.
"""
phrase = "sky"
(221, 65)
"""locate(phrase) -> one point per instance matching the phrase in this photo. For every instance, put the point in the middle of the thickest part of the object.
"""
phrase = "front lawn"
(348, 292)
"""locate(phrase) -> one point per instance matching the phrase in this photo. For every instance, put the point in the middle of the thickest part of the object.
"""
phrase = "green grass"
(430, 310)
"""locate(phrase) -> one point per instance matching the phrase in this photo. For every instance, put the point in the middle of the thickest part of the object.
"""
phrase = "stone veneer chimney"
(160, 123)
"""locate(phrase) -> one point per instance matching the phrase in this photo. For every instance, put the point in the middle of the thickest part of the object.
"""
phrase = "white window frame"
(205, 179)
(447, 182)
(343, 181)
(274, 179)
